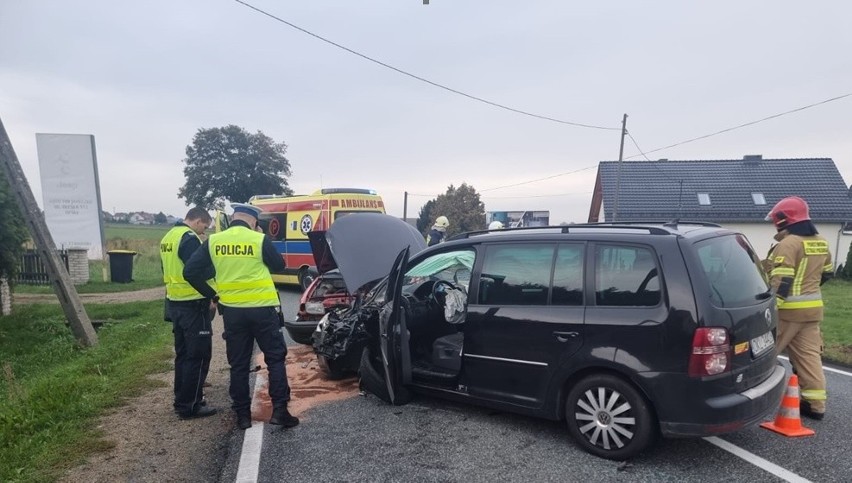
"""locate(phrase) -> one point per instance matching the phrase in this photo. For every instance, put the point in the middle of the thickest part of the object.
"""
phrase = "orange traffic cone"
(788, 422)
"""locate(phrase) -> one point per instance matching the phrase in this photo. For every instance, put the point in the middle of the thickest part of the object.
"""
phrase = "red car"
(325, 293)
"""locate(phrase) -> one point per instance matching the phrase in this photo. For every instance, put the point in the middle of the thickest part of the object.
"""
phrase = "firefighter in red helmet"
(799, 264)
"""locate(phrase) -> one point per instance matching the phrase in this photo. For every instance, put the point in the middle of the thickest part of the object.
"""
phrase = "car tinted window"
(516, 274)
(732, 270)
(568, 276)
(626, 276)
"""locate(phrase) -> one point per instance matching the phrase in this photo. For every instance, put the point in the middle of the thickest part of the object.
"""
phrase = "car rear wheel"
(608, 417)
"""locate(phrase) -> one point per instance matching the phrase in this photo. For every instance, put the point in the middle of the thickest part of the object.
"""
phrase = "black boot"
(805, 410)
(282, 417)
(201, 412)
(243, 420)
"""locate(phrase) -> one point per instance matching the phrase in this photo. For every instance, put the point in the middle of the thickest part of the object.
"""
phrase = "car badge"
(768, 316)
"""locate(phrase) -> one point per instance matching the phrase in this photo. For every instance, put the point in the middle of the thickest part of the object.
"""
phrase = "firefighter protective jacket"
(798, 264)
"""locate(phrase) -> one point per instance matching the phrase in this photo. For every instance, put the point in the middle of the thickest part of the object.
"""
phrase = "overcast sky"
(142, 77)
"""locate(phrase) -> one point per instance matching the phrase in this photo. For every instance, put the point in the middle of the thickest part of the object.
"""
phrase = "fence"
(33, 271)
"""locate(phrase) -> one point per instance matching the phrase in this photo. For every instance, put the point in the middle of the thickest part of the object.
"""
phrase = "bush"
(847, 267)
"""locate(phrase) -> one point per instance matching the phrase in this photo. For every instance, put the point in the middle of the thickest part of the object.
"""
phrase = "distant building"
(515, 219)
(141, 218)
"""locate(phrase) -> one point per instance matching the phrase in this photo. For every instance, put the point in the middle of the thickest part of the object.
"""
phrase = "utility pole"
(405, 207)
(70, 301)
(618, 172)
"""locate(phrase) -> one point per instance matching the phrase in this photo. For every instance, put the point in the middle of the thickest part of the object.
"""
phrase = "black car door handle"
(564, 336)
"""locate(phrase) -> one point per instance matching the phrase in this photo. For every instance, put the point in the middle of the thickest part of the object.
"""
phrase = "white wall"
(760, 235)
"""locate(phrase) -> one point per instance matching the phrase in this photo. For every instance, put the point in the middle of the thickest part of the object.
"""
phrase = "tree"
(13, 231)
(847, 267)
(229, 163)
(160, 218)
(462, 207)
(425, 219)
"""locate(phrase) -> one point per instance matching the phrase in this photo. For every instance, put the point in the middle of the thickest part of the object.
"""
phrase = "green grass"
(52, 391)
(135, 232)
(147, 271)
(837, 325)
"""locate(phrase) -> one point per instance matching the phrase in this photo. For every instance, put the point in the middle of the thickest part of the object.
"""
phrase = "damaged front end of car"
(341, 336)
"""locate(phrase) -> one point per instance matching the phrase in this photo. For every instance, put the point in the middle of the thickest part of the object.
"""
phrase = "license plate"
(761, 344)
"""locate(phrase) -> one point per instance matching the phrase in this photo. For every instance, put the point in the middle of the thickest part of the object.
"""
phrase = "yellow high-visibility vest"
(177, 288)
(243, 280)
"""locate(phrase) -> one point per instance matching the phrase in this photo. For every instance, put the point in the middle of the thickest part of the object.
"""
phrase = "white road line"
(752, 458)
(252, 441)
(829, 369)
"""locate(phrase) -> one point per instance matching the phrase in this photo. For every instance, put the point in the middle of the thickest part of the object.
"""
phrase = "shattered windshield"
(452, 266)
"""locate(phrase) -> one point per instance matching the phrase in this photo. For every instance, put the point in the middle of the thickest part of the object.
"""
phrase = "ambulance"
(287, 220)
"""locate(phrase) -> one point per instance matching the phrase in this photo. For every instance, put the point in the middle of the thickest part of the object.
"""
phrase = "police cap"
(250, 210)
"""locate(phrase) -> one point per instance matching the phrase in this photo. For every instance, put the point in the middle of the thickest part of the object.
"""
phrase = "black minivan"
(625, 331)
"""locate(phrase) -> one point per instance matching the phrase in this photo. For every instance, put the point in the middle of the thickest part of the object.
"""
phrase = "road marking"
(829, 369)
(752, 458)
(253, 440)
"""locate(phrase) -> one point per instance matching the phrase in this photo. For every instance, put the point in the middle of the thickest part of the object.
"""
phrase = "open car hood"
(363, 246)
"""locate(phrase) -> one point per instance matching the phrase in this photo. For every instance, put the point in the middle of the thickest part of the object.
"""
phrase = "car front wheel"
(608, 417)
(332, 368)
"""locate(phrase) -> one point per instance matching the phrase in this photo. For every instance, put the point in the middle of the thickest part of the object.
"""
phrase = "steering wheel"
(436, 289)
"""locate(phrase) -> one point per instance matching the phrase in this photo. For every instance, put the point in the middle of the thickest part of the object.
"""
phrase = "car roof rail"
(629, 225)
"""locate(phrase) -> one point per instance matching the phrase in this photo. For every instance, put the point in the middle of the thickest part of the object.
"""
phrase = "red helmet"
(788, 211)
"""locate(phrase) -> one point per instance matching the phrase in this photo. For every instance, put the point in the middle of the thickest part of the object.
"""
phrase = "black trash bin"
(121, 265)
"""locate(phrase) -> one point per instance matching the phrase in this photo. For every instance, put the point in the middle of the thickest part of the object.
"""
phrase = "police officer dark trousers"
(191, 316)
(241, 259)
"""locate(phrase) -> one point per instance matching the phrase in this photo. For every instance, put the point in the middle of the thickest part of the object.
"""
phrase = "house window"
(704, 199)
(758, 198)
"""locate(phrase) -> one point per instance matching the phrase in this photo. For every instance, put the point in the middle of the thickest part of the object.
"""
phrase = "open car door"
(394, 334)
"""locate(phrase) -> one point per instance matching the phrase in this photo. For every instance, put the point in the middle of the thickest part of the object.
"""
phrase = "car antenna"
(673, 223)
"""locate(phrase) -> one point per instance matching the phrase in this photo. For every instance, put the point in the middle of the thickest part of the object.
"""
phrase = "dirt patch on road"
(309, 386)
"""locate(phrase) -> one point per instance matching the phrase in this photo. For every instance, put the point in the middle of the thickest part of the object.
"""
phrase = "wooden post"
(618, 172)
(60, 280)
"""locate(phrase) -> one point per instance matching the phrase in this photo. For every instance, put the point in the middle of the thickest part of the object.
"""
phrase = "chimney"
(752, 158)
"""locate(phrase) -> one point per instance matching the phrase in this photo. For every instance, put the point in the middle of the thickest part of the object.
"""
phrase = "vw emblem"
(768, 316)
(306, 224)
(604, 418)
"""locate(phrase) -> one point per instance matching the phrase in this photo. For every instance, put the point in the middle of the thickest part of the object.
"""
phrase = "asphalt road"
(364, 439)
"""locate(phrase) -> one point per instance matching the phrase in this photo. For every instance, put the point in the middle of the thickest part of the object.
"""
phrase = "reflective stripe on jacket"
(177, 288)
(798, 263)
(243, 280)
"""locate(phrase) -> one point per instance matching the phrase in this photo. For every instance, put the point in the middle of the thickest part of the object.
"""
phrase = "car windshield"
(452, 266)
(733, 271)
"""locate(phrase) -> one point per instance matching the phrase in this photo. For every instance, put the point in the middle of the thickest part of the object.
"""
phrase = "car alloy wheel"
(608, 417)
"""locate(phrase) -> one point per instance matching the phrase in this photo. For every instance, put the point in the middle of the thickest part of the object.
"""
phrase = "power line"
(422, 79)
(741, 125)
(637, 145)
(645, 153)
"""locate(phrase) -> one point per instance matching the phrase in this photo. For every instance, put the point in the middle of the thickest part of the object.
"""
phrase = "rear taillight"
(711, 352)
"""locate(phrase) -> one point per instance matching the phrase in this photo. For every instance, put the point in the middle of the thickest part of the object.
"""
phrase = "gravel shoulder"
(150, 444)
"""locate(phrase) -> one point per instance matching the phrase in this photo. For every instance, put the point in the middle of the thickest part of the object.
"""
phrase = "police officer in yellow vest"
(242, 259)
(799, 264)
(191, 314)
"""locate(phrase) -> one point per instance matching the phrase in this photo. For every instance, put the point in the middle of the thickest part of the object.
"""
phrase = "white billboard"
(70, 191)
